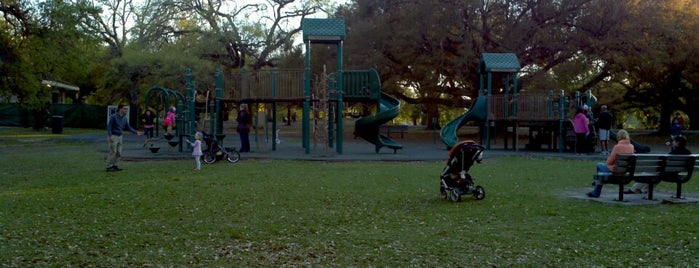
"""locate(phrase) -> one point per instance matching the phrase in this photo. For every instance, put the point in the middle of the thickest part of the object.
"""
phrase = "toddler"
(196, 149)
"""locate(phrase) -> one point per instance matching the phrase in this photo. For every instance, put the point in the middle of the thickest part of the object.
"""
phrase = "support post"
(561, 116)
(340, 92)
(307, 100)
(275, 86)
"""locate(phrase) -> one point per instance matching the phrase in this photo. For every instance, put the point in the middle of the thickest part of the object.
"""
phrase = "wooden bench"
(650, 169)
(394, 128)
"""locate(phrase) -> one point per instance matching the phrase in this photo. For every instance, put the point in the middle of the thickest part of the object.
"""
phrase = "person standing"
(196, 149)
(678, 119)
(244, 121)
(581, 131)
(604, 123)
(676, 126)
(115, 126)
(148, 124)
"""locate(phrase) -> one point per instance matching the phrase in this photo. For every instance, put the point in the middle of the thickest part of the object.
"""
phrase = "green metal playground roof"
(499, 63)
(323, 30)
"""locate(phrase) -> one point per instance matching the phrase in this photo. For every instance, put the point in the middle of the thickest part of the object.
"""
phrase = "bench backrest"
(680, 167)
(630, 164)
(655, 164)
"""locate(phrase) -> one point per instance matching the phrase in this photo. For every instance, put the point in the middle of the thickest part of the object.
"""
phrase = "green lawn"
(59, 208)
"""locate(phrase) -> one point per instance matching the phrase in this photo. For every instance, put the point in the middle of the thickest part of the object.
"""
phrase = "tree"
(16, 29)
(239, 39)
(617, 48)
(661, 68)
(433, 48)
(42, 42)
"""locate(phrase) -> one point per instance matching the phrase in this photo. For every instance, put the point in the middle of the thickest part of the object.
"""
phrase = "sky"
(294, 22)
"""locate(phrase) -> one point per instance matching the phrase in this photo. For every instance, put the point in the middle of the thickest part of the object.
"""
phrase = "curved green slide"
(477, 112)
(368, 127)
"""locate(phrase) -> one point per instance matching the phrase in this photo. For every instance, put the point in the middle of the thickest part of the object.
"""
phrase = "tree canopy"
(633, 55)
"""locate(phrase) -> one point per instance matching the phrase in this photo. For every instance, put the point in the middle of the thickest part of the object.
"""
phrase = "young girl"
(196, 149)
(170, 118)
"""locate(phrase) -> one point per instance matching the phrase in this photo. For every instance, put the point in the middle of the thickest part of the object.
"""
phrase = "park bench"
(394, 128)
(679, 170)
(650, 169)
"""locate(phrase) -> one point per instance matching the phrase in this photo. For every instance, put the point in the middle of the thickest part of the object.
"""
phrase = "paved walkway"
(291, 149)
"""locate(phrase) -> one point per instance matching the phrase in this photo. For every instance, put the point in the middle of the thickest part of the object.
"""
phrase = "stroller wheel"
(479, 193)
(455, 195)
(443, 192)
(209, 158)
(232, 155)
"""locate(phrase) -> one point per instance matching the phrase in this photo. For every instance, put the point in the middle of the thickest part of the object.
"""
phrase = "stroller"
(455, 180)
(214, 151)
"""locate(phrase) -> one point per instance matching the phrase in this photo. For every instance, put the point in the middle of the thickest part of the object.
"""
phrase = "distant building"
(59, 90)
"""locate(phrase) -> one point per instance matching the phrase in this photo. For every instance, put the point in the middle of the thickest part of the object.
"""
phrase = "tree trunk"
(432, 116)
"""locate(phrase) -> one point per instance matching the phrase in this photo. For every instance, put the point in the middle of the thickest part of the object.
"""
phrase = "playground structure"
(159, 100)
(323, 102)
(547, 116)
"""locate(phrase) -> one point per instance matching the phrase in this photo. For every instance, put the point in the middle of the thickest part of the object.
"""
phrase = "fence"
(278, 85)
(526, 107)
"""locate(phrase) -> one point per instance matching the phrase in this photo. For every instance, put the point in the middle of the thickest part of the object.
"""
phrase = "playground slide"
(477, 112)
(639, 148)
(368, 127)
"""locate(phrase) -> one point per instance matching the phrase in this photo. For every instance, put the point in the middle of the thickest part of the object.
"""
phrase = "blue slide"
(477, 112)
(368, 127)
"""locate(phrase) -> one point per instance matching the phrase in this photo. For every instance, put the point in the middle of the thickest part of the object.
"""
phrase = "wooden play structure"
(323, 102)
(507, 110)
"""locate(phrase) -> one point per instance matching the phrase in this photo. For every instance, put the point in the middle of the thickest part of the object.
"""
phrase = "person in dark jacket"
(604, 123)
(679, 146)
(244, 121)
(115, 126)
(148, 124)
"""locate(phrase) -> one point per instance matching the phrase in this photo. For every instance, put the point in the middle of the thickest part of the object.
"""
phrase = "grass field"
(58, 208)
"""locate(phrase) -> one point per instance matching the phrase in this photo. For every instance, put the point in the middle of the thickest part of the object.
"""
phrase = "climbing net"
(320, 112)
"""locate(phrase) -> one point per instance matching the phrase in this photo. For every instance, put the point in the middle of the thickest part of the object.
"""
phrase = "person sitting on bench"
(679, 147)
(624, 146)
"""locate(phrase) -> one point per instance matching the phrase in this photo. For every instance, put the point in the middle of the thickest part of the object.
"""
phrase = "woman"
(244, 121)
(624, 146)
(581, 131)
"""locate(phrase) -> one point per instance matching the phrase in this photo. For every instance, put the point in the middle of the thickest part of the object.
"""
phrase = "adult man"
(604, 123)
(115, 126)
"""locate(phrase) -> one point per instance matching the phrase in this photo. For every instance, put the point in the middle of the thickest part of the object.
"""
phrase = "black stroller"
(455, 180)
(214, 151)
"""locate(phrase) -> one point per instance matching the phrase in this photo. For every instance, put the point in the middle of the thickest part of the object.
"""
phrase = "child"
(196, 149)
(170, 118)
(148, 124)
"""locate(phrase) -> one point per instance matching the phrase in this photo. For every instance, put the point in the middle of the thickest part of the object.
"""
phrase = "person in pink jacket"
(170, 119)
(624, 146)
(581, 131)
